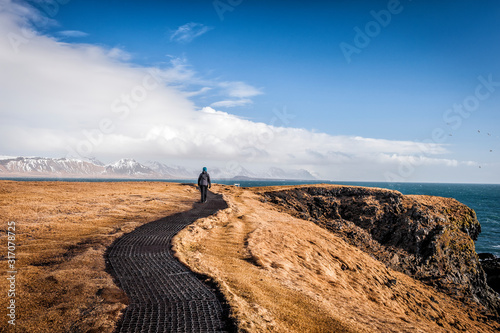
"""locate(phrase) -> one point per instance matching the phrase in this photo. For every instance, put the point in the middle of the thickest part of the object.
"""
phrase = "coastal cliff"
(326, 258)
(428, 238)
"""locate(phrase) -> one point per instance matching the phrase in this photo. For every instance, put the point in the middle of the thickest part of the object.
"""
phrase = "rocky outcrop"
(428, 238)
(491, 266)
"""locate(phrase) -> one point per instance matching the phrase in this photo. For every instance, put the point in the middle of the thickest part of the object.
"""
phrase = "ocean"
(483, 198)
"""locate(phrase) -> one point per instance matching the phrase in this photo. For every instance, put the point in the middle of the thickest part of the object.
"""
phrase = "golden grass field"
(283, 274)
(279, 273)
(62, 231)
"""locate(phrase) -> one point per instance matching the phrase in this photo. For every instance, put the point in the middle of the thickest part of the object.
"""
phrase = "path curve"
(164, 295)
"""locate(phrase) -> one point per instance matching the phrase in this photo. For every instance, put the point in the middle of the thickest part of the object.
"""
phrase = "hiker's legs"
(203, 190)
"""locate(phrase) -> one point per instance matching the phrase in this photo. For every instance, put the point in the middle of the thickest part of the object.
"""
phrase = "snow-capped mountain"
(38, 166)
(174, 172)
(129, 168)
(236, 171)
(277, 173)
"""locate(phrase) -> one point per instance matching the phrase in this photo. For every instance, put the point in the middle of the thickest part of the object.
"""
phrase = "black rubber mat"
(164, 295)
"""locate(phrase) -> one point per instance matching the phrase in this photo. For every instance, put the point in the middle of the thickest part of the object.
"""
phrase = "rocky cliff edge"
(428, 238)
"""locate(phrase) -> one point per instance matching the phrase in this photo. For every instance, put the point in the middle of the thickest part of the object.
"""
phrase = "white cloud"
(420, 160)
(60, 99)
(183, 76)
(231, 103)
(24, 15)
(200, 91)
(73, 33)
(240, 89)
(119, 54)
(240, 94)
(188, 32)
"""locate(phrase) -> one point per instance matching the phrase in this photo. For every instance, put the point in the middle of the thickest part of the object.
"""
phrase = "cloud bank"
(78, 100)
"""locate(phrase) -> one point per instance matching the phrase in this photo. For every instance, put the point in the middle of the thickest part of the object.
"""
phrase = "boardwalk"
(164, 295)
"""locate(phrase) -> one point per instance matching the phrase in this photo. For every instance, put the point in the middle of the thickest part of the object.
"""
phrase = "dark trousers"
(203, 190)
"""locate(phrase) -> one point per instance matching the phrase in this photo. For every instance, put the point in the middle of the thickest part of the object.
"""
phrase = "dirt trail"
(164, 295)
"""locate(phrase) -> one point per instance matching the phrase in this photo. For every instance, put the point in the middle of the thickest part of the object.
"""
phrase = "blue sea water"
(483, 198)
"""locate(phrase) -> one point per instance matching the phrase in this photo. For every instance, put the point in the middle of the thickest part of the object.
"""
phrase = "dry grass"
(62, 231)
(284, 274)
(279, 273)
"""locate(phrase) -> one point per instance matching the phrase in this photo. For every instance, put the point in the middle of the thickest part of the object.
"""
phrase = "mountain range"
(130, 168)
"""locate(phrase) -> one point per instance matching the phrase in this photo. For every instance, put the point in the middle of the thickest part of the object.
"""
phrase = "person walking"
(204, 183)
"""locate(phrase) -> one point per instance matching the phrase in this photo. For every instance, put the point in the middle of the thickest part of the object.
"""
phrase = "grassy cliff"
(340, 259)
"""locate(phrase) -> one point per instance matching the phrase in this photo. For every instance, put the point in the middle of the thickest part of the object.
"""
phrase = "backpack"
(204, 179)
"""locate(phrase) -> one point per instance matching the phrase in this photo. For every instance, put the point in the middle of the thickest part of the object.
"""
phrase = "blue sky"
(358, 115)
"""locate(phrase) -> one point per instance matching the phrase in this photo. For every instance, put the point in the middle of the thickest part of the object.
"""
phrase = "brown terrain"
(62, 232)
(343, 259)
(286, 259)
